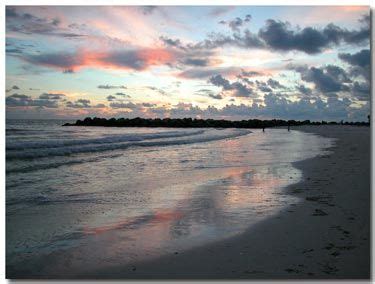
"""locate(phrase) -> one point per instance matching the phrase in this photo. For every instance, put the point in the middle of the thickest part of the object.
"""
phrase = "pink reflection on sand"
(157, 217)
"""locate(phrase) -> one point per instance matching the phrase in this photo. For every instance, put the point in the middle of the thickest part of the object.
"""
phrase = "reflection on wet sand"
(134, 223)
(216, 208)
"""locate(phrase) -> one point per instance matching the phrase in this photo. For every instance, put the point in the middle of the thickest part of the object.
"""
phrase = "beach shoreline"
(326, 236)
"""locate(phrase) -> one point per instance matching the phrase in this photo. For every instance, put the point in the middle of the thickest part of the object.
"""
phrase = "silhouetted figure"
(288, 127)
(263, 128)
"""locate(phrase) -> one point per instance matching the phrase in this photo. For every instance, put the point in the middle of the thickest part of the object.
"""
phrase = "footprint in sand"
(319, 212)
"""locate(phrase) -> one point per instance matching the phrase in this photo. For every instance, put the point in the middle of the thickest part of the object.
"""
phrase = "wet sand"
(326, 236)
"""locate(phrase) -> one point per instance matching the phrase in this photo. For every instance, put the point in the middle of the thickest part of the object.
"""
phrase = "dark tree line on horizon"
(200, 123)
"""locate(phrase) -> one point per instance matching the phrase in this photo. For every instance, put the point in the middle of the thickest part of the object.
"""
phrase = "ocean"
(80, 199)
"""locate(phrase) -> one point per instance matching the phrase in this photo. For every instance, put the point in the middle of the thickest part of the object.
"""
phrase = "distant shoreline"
(201, 123)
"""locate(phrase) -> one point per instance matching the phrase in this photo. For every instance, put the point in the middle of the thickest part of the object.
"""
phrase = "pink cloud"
(133, 59)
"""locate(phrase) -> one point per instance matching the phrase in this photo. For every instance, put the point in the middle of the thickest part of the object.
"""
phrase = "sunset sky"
(237, 62)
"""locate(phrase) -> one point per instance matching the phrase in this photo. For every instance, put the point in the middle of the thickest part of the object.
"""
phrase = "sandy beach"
(326, 236)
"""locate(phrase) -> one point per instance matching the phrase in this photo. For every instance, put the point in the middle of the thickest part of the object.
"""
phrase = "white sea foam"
(32, 150)
(52, 143)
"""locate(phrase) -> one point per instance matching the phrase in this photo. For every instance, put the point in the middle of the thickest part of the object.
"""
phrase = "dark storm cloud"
(216, 97)
(263, 86)
(325, 79)
(14, 87)
(160, 91)
(196, 61)
(58, 60)
(245, 40)
(198, 73)
(29, 24)
(274, 84)
(111, 98)
(209, 93)
(220, 81)
(20, 100)
(81, 103)
(246, 80)
(360, 64)
(136, 59)
(127, 59)
(364, 72)
(108, 87)
(239, 89)
(187, 54)
(116, 95)
(338, 73)
(237, 23)
(148, 104)
(49, 96)
(277, 106)
(304, 90)
(207, 72)
(335, 34)
(356, 37)
(361, 58)
(361, 90)
(249, 74)
(172, 42)
(276, 35)
(331, 79)
(279, 35)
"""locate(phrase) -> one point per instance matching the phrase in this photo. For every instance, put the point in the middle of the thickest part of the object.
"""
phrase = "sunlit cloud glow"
(219, 62)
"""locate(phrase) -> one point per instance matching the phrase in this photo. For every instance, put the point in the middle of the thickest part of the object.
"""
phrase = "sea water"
(81, 199)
